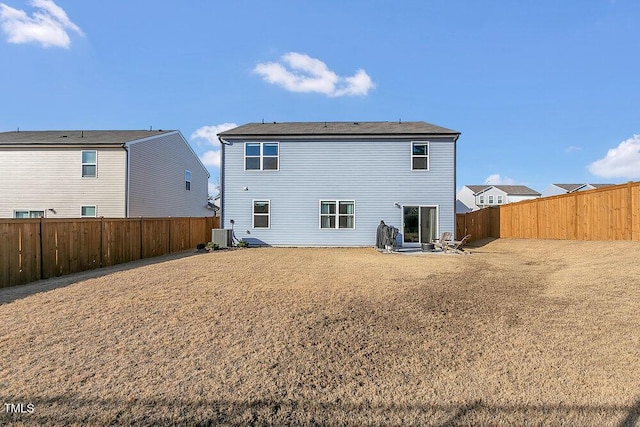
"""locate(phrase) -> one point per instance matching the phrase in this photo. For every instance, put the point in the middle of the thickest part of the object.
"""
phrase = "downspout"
(455, 178)
(126, 180)
(222, 190)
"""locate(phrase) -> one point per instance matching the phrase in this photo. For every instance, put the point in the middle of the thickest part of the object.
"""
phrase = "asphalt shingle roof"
(516, 190)
(76, 137)
(569, 187)
(337, 128)
(574, 187)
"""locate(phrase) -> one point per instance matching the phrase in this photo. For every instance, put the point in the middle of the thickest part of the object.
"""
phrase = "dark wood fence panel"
(610, 213)
(120, 241)
(180, 234)
(33, 249)
(20, 252)
(479, 224)
(70, 246)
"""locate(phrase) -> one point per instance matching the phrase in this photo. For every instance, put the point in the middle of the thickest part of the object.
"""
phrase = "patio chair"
(442, 241)
(456, 245)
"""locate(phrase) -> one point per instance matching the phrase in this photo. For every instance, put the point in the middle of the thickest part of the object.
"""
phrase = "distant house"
(117, 174)
(331, 183)
(474, 197)
(556, 189)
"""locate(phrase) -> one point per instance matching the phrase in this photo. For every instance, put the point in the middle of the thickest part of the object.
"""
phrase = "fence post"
(141, 238)
(101, 239)
(576, 216)
(629, 211)
(40, 276)
(170, 226)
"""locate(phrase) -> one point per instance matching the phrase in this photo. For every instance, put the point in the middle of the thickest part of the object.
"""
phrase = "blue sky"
(542, 91)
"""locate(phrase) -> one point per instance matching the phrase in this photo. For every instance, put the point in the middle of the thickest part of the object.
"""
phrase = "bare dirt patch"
(522, 332)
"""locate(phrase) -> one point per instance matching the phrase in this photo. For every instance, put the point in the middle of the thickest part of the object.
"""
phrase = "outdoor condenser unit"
(224, 237)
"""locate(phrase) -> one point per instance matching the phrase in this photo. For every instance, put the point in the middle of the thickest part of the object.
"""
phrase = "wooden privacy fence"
(34, 249)
(609, 213)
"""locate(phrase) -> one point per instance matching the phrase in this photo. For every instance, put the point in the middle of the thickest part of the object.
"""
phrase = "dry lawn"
(518, 333)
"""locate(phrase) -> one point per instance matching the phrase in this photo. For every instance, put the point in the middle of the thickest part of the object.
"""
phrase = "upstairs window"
(261, 156)
(261, 213)
(337, 214)
(500, 199)
(420, 155)
(489, 199)
(481, 200)
(187, 180)
(89, 163)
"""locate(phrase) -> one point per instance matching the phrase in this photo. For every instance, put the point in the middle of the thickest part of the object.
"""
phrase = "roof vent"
(62, 136)
(356, 123)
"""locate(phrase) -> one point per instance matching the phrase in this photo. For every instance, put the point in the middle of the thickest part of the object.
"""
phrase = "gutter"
(394, 136)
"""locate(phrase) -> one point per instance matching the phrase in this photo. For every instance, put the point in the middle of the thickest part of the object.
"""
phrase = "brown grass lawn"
(521, 332)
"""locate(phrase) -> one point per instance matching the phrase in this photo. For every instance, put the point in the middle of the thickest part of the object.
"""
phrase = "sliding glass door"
(419, 224)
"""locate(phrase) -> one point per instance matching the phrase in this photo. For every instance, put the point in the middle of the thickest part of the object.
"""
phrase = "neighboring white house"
(474, 197)
(116, 174)
(331, 183)
(556, 189)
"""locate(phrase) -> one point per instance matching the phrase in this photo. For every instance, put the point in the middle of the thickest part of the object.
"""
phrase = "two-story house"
(331, 183)
(474, 197)
(115, 173)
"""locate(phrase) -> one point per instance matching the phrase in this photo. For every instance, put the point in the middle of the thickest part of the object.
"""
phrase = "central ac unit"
(223, 237)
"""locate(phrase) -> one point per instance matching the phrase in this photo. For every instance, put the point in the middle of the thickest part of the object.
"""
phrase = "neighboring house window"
(29, 214)
(481, 200)
(261, 213)
(187, 180)
(89, 163)
(420, 155)
(490, 200)
(337, 214)
(88, 212)
(261, 156)
(500, 199)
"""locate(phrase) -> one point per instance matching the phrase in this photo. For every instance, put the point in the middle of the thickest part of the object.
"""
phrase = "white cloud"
(572, 149)
(307, 74)
(49, 25)
(211, 158)
(210, 133)
(496, 179)
(620, 162)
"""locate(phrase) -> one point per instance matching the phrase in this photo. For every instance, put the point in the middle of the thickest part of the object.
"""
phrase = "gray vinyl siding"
(156, 179)
(33, 178)
(374, 173)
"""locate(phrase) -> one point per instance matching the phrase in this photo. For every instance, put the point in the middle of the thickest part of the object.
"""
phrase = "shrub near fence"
(609, 213)
(33, 249)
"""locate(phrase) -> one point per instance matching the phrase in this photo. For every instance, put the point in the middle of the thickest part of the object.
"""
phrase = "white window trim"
(253, 214)
(82, 164)
(480, 200)
(500, 199)
(337, 214)
(95, 209)
(490, 199)
(428, 156)
(261, 156)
